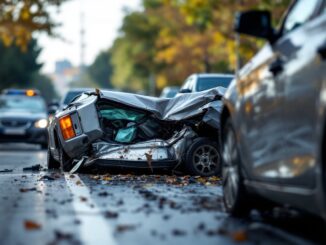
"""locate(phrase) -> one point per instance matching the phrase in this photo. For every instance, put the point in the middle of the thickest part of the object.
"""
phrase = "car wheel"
(203, 158)
(236, 199)
(65, 160)
(51, 162)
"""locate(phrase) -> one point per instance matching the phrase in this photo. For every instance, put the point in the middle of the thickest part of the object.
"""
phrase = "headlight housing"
(42, 123)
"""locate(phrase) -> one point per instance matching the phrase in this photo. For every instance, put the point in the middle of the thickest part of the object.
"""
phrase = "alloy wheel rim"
(206, 159)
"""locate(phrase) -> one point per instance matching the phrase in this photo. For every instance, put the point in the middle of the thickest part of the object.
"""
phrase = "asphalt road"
(42, 207)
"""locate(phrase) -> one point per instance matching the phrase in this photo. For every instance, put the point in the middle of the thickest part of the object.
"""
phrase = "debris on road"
(239, 236)
(111, 215)
(27, 189)
(6, 170)
(178, 232)
(46, 177)
(158, 179)
(32, 225)
(36, 167)
(125, 227)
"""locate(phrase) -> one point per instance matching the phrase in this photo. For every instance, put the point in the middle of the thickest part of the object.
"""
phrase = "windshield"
(205, 83)
(70, 96)
(22, 103)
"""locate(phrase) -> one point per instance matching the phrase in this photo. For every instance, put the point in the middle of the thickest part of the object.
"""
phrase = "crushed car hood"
(170, 109)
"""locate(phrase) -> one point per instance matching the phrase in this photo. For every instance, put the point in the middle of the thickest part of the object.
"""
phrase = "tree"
(45, 86)
(170, 39)
(20, 69)
(101, 70)
(17, 66)
(19, 19)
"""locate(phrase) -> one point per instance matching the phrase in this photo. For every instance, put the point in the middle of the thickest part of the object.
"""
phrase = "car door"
(263, 90)
(261, 114)
(301, 69)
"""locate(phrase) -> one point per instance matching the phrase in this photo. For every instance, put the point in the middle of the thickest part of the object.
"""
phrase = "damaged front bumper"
(151, 154)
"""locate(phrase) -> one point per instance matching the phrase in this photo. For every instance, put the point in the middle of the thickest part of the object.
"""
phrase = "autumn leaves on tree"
(170, 39)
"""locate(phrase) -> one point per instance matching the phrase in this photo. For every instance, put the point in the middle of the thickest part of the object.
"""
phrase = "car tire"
(236, 198)
(203, 158)
(51, 162)
(65, 160)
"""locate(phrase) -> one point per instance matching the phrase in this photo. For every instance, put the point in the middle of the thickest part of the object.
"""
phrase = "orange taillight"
(67, 128)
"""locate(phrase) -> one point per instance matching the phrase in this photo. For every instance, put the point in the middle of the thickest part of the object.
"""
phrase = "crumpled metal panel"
(157, 149)
(181, 107)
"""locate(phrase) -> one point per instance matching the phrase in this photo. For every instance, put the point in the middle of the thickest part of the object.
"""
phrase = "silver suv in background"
(204, 81)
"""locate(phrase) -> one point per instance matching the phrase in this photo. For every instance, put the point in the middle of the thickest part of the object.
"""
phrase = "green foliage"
(170, 39)
(45, 86)
(101, 70)
(16, 66)
(19, 19)
(20, 69)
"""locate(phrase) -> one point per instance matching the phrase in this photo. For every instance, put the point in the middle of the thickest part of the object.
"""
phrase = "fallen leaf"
(123, 228)
(31, 225)
(178, 232)
(149, 160)
(239, 236)
(111, 215)
(83, 199)
(78, 182)
(27, 189)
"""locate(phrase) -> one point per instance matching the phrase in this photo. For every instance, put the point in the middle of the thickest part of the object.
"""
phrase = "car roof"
(80, 89)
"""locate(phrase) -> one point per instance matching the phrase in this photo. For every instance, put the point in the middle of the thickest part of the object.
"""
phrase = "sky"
(102, 20)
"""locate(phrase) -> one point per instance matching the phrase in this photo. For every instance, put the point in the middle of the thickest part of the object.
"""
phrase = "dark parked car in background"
(23, 117)
(273, 119)
(204, 81)
(116, 129)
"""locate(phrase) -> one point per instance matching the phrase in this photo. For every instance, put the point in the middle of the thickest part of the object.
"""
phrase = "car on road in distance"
(273, 119)
(169, 92)
(116, 129)
(23, 117)
(204, 81)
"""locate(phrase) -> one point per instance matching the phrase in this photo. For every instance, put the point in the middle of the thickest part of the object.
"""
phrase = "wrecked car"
(116, 129)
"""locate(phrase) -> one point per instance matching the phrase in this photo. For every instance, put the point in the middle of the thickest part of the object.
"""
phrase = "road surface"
(43, 207)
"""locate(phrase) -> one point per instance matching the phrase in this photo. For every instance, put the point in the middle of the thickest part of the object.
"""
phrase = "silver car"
(203, 81)
(115, 129)
(273, 119)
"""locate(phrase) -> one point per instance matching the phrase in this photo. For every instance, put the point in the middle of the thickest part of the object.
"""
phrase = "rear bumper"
(32, 135)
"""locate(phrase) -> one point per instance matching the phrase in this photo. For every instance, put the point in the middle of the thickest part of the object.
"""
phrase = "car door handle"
(322, 51)
(276, 66)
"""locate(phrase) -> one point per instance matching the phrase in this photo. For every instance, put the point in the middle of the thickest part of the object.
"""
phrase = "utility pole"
(82, 40)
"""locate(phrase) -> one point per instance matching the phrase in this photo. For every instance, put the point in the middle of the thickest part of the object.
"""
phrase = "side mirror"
(255, 23)
(184, 91)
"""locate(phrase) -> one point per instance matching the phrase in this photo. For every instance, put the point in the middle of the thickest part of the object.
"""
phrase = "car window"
(186, 84)
(22, 103)
(191, 83)
(205, 83)
(300, 13)
(70, 96)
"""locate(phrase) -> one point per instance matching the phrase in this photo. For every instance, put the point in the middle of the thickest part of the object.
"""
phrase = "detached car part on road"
(128, 130)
